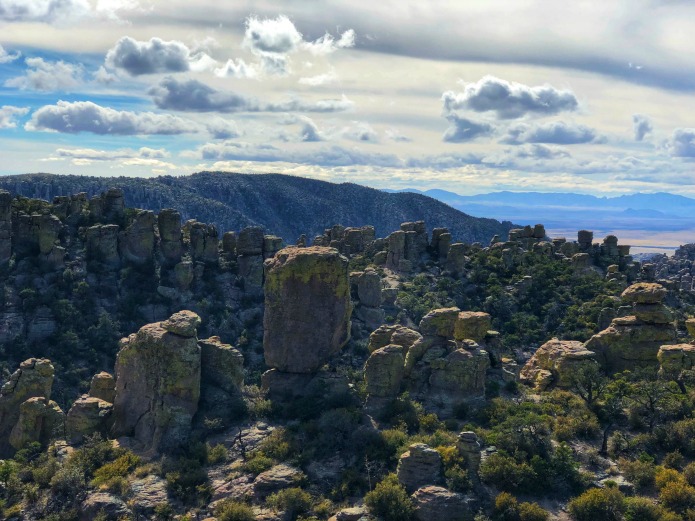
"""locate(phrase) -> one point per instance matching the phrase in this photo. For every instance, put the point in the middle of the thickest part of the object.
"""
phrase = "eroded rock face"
(5, 226)
(136, 243)
(421, 465)
(158, 383)
(460, 375)
(645, 293)
(34, 378)
(40, 420)
(103, 386)
(102, 244)
(384, 371)
(307, 308)
(222, 364)
(102, 503)
(87, 416)
(472, 325)
(675, 359)
(439, 504)
(440, 322)
(171, 238)
(554, 363)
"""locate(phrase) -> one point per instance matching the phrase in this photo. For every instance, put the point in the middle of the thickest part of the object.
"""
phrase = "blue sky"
(475, 96)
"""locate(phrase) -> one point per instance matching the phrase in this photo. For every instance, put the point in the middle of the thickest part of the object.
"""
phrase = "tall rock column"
(5, 226)
(158, 383)
(307, 308)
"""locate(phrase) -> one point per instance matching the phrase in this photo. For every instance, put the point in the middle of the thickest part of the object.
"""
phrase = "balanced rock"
(554, 363)
(87, 416)
(472, 325)
(645, 293)
(40, 420)
(439, 504)
(421, 465)
(383, 371)
(158, 383)
(307, 308)
(103, 386)
(34, 378)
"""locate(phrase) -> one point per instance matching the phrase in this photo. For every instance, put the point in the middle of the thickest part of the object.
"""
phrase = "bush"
(68, 481)
(689, 473)
(230, 510)
(389, 500)
(642, 509)
(293, 501)
(506, 507)
(216, 454)
(257, 463)
(606, 504)
(664, 477)
(119, 468)
(639, 472)
(507, 474)
(677, 496)
(532, 512)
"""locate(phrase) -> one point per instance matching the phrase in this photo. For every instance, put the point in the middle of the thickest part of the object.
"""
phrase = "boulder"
(653, 313)
(221, 365)
(674, 359)
(307, 308)
(384, 371)
(275, 479)
(88, 416)
(439, 504)
(440, 322)
(103, 386)
(40, 420)
(113, 205)
(103, 504)
(645, 293)
(460, 375)
(560, 358)
(34, 378)
(148, 493)
(158, 383)
(472, 325)
(421, 465)
(369, 289)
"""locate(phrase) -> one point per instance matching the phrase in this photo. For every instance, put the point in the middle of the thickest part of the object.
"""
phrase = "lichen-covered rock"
(40, 420)
(469, 448)
(440, 322)
(103, 504)
(113, 205)
(102, 244)
(561, 358)
(103, 386)
(460, 375)
(628, 343)
(5, 226)
(653, 313)
(204, 242)
(158, 383)
(275, 479)
(171, 238)
(250, 241)
(147, 494)
(34, 378)
(381, 337)
(369, 288)
(88, 416)
(421, 465)
(456, 259)
(439, 504)
(307, 308)
(645, 293)
(136, 243)
(384, 371)
(472, 325)
(222, 365)
(674, 359)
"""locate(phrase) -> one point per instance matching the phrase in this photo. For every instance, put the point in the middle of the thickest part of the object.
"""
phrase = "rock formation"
(554, 363)
(87, 416)
(158, 383)
(171, 238)
(307, 308)
(421, 465)
(439, 504)
(40, 420)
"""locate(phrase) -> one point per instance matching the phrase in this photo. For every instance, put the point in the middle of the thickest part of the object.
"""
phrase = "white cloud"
(360, 131)
(510, 100)
(10, 114)
(6, 57)
(237, 69)
(220, 128)
(48, 76)
(682, 142)
(327, 44)
(155, 56)
(319, 79)
(463, 129)
(641, 126)
(91, 154)
(555, 132)
(85, 116)
(43, 10)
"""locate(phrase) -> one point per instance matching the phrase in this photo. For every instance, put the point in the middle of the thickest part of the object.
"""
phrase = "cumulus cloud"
(10, 114)
(309, 131)
(360, 131)
(237, 69)
(274, 39)
(641, 126)
(6, 57)
(510, 100)
(682, 142)
(463, 129)
(220, 128)
(195, 96)
(85, 116)
(155, 56)
(555, 132)
(48, 76)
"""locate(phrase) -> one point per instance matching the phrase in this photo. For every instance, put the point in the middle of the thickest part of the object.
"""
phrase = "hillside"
(286, 205)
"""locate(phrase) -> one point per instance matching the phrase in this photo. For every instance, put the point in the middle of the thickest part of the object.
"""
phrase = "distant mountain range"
(658, 212)
(287, 206)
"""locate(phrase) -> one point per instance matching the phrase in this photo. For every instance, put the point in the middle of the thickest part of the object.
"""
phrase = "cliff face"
(284, 205)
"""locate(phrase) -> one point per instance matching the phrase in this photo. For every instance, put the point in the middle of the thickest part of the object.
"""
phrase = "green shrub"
(230, 510)
(293, 501)
(677, 496)
(639, 472)
(606, 504)
(119, 468)
(216, 454)
(642, 509)
(532, 512)
(506, 507)
(389, 500)
(507, 474)
(68, 481)
(257, 463)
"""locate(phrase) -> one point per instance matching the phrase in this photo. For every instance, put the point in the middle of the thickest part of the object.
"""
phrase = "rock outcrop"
(674, 359)
(634, 340)
(421, 465)
(554, 363)
(88, 416)
(103, 386)
(439, 504)
(307, 308)
(158, 383)
(384, 371)
(40, 420)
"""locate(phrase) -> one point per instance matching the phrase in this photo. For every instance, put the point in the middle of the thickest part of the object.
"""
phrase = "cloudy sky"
(473, 97)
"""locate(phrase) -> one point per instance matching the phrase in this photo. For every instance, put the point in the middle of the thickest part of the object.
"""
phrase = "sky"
(469, 96)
